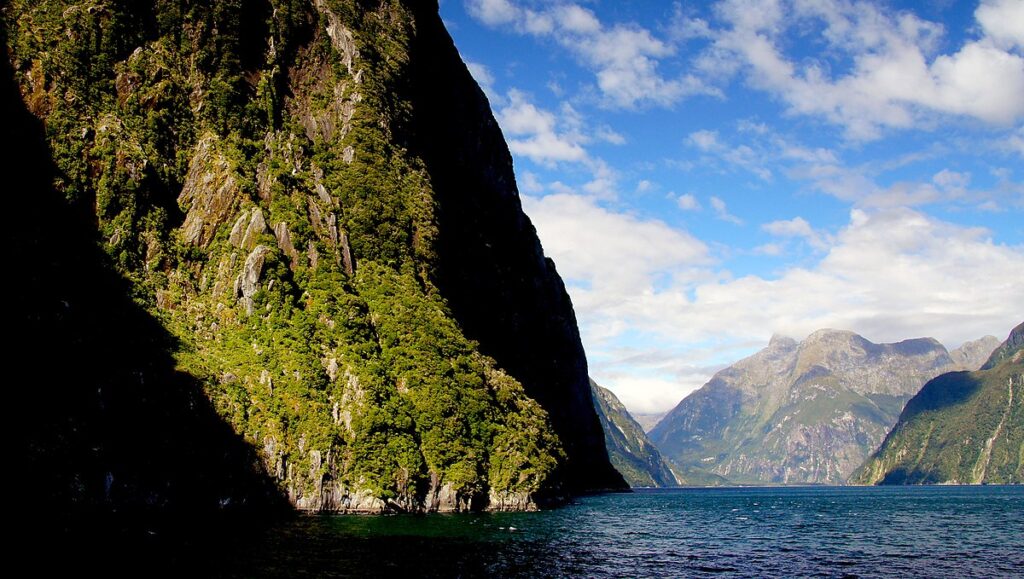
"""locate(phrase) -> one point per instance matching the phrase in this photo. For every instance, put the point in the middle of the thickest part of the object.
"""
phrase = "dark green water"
(737, 532)
(829, 532)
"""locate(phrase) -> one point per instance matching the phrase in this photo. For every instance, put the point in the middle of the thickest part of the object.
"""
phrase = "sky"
(708, 174)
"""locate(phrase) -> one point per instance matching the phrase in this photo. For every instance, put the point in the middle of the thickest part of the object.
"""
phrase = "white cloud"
(722, 211)
(1003, 22)
(609, 135)
(894, 80)
(484, 78)
(529, 182)
(705, 140)
(1015, 142)
(649, 394)
(553, 139)
(688, 202)
(798, 227)
(534, 133)
(493, 12)
(624, 58)
(859, 186)
(890, 274)
(613, 254)
(770, 249)
(953, 181)
(604, 180)
(741, 155)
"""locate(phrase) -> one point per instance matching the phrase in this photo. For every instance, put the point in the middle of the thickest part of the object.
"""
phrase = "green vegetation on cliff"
(962, 427)
(265, 177)
(629, 449)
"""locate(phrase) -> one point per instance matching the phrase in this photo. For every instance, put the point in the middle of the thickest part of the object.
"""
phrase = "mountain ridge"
(807, 412)
(961, 428)
(629, 449)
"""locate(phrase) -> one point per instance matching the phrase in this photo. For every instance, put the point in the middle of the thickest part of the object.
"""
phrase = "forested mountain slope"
(298, 219)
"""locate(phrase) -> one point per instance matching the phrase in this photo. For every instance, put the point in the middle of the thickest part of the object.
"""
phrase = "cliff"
(807, 412)
(961, 428)
(629, 449)
(310, 211)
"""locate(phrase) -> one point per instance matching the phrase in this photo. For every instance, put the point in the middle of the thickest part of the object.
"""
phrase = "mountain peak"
(973, 354)
(961, 427)
(830, 334)
(1013, 344)
(807, 411)
(780, 342)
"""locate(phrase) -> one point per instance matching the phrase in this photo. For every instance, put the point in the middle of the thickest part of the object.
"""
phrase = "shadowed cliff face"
(103, 417)
(289, 226)
(629, 449)
(503, 291)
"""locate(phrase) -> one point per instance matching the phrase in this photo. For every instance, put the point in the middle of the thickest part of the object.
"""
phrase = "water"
(957, 532)
(735, 532)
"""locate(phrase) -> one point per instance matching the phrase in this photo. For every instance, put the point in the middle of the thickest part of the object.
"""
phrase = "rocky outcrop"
(247, 228)
(315, 202)
(249, 280)
(807, 412)
(629, 449)
(210, 193)
(961, 428)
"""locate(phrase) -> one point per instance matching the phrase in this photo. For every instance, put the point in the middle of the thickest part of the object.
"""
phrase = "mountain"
(648, 421)
(972, 355)
(807, 412)
(273, 251)
(961, 428)
(629, 449)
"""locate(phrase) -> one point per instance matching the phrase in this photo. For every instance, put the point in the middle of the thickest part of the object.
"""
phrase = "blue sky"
(707, 174)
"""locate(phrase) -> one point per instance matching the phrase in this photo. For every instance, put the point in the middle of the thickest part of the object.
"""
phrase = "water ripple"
(964, 532)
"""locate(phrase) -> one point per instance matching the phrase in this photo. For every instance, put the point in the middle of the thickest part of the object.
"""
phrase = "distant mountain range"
(807, 412)
(962, 427)
(629, 449)
(647, 421)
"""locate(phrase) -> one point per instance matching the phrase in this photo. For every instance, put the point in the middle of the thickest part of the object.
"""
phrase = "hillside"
(629, 449)
(807, 412)
(279, 247)
(961, 428)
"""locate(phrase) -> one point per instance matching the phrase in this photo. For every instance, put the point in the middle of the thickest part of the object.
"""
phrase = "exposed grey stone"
(249, 280)
(321, 192)
(971, 355)
(348, 263)
(210, 193)
(247, 229)
(312, 254)
(284, 241)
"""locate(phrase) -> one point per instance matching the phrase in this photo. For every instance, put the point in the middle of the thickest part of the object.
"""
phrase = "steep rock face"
(526, 322)
(972, 355)
(313, 199)
(807, 412)
(104, 418)
(961, 428)
(629, 449)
